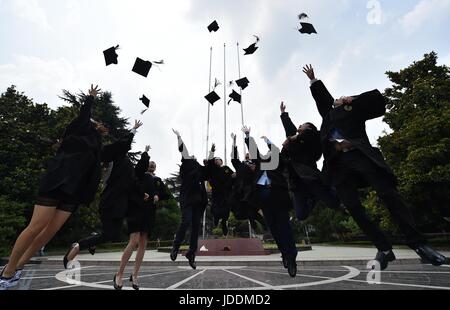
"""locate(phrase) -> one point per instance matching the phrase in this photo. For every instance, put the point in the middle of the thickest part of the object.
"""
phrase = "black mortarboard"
(213, 27)
(243, 83)
(235, 97)
(145, 101)
(252, 48)
(142, 67)
(212, 97)
(307, 28)
(111, 55)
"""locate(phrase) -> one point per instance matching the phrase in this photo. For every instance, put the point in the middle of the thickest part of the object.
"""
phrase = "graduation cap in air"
(235, 97)
(145, 101)
(243, 83)
(142, 67)
(213, 27)
(307, 28)
(213, 97)
(252, 48)
(111, 55)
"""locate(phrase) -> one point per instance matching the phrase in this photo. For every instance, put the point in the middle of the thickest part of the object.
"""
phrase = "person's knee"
(134, 240)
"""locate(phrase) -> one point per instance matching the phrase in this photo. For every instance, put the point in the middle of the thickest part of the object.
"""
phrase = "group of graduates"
(263, 188)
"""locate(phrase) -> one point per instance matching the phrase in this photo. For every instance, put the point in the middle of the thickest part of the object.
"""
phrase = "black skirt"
(145, 222)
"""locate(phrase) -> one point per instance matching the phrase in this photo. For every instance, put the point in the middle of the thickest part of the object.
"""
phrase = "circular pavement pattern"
(398, 276)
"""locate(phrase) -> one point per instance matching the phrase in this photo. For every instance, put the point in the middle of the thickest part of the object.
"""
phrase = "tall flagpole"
(207, 130)
(225, 101)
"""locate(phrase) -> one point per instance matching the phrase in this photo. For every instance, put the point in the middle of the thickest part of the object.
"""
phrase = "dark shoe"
(224, 228)
(65, 259)
(92, 250)
(191, 258)
(116, 287)
(134, 285)
(174, 254)
(429, 255)
(292, 267)
(384, 259)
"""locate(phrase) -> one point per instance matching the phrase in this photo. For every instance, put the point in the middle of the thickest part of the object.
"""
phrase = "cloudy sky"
(49, 45)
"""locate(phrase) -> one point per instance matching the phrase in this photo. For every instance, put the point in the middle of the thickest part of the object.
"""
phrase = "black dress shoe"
(134, 285)
(92, 250)
(384, 259)
(116, 287)
(224, 228)
(429, 255)
(191, 258)
(174, 254)
(292, 267)
(65, 258)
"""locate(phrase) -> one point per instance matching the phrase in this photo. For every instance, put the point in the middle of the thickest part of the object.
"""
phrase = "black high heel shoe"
(134, 285)
(117, 287)
(65, 258)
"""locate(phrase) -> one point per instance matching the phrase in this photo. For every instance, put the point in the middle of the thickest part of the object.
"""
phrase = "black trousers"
(111, 233)
(308, 193)
(275, 206)
(355, 166)
(191, 216)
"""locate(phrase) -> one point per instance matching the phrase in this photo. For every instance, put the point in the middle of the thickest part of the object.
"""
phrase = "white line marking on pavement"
(62, 276)
(252, 280)
(353, 272)
(172, 287)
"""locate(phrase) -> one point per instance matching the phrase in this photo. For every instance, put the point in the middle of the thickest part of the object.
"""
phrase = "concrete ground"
(327, 268)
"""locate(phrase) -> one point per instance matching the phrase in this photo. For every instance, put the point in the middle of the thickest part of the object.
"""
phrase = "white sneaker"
(17, 275)
(6, 284)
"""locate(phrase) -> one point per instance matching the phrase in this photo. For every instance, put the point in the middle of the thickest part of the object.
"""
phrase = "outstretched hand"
(246, 130)
(233, 136)
(137, 124)
(94, 91)
(213, 148)
(147, 148)
(176, 132)
(309, 71)
(283, 107)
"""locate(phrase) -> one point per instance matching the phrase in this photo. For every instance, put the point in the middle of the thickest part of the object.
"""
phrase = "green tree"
(418, 149)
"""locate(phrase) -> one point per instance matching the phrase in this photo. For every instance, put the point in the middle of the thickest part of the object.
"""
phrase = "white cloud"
(424, 11)
(32, 12)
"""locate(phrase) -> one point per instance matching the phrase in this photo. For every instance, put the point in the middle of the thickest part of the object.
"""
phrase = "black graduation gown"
(114, 201)
(278, 176)
(193, 177)
(139, 214)
(75, 172)
(221, 180)
(303, 152)
(243, 205)
(350, 121)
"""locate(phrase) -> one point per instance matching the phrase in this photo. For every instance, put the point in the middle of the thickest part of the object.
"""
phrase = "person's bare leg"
(140, 255)
(40, 219)
(132, 244)
(45, 236)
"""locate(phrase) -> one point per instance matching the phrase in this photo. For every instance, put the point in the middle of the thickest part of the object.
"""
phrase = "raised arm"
(181, 146)
(121, 147)
(83, 121)
(320, 93)
(288, 125)
(251, 144)
(142, 165)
